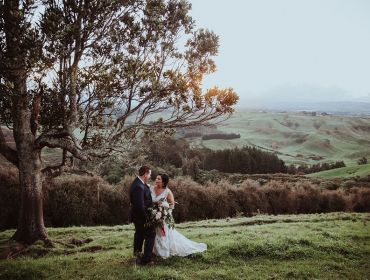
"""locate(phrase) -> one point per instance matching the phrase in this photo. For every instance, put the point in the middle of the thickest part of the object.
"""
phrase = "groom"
(141, 200)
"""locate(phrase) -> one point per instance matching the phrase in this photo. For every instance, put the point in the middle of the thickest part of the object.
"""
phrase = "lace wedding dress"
(173, 243)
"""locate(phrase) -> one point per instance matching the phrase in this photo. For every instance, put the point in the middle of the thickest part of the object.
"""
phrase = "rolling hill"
(344, 172)
(297, 137)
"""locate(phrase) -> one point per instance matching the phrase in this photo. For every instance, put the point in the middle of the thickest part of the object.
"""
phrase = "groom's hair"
(165, 179)
(144, 169)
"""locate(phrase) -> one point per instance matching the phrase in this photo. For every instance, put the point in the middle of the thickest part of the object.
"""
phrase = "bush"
(250, 199)
(360, 199)
(278, 197)
(333, 201)
(362, 160)
(9, 197)
(82, 200)
(191, 199)
(306, 198)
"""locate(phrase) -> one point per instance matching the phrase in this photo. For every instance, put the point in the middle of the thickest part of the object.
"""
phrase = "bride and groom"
(171, 243)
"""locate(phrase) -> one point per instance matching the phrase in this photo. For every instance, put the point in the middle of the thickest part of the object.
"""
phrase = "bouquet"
(159, 215)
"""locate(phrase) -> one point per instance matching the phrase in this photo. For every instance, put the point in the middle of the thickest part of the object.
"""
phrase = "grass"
(316, 246)
(297, 137)
(344, 172)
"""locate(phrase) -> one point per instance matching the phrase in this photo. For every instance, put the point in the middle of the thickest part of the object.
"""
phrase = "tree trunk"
(31, 219)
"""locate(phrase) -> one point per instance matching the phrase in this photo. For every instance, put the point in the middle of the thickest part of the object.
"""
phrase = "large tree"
(88, 77)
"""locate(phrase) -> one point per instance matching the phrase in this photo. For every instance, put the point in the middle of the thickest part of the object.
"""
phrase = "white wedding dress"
(173, 243)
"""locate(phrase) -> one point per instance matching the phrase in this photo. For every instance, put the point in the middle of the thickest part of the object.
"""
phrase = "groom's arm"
(138, 201)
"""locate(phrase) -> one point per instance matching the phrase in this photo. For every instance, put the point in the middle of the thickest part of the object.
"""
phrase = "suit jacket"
(141, 200)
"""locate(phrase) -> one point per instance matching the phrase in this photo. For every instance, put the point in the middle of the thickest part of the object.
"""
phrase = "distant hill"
(297, 137)
(341, 107)
(307, 98)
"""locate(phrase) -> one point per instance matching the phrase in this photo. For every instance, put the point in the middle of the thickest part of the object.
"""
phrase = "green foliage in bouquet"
(160, 214)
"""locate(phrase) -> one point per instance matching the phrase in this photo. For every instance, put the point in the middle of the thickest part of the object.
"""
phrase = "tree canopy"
(109, 69)
(88, 76)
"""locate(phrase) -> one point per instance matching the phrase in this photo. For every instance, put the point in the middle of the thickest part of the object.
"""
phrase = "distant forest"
(245, 160)
(226, 136)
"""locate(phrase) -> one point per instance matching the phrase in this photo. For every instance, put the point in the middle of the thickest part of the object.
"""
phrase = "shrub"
(278, 197)
(82, 200)
(362, 160)
(306, 198)
(9, 197)
(223, 199)
(191, 199)
(360, 199)
(250, 199)
(333, 201)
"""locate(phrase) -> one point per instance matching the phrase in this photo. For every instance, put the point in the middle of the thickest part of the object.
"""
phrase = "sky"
(300, 49)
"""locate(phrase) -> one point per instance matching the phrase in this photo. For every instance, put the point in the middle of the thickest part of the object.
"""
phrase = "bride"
(172, 243)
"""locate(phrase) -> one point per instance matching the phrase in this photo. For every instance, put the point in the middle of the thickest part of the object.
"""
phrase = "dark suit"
(141, 200)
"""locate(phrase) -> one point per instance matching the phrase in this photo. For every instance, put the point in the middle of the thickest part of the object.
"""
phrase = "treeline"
(246, 160)
(225, 136)
(193, 134)
(83, 200)
(176, 157)
(307, 169)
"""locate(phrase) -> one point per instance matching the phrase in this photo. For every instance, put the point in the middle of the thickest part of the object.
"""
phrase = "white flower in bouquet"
(165, 204)
(158, 215)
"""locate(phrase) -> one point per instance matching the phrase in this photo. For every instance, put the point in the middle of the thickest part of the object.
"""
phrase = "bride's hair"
(165, 179)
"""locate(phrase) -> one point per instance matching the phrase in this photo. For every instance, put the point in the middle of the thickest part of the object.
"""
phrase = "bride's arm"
(171, 199)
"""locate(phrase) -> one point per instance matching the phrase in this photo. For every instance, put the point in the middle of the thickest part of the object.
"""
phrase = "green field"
(344, 172)
(316, 246)
(296, 137)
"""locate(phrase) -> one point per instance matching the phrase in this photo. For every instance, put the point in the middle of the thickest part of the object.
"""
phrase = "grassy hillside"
(322, 246)
(344, 172)
(297, 137)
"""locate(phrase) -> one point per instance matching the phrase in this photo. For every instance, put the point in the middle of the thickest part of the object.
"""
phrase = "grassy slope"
(321, 246)
(296, 136)
(344, 172)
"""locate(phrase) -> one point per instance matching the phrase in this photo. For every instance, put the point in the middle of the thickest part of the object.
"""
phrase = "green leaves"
(115, 66)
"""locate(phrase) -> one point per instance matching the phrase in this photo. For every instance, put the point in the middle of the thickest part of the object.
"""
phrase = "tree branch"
(60, 138)
(53, 171)
(36, 106)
